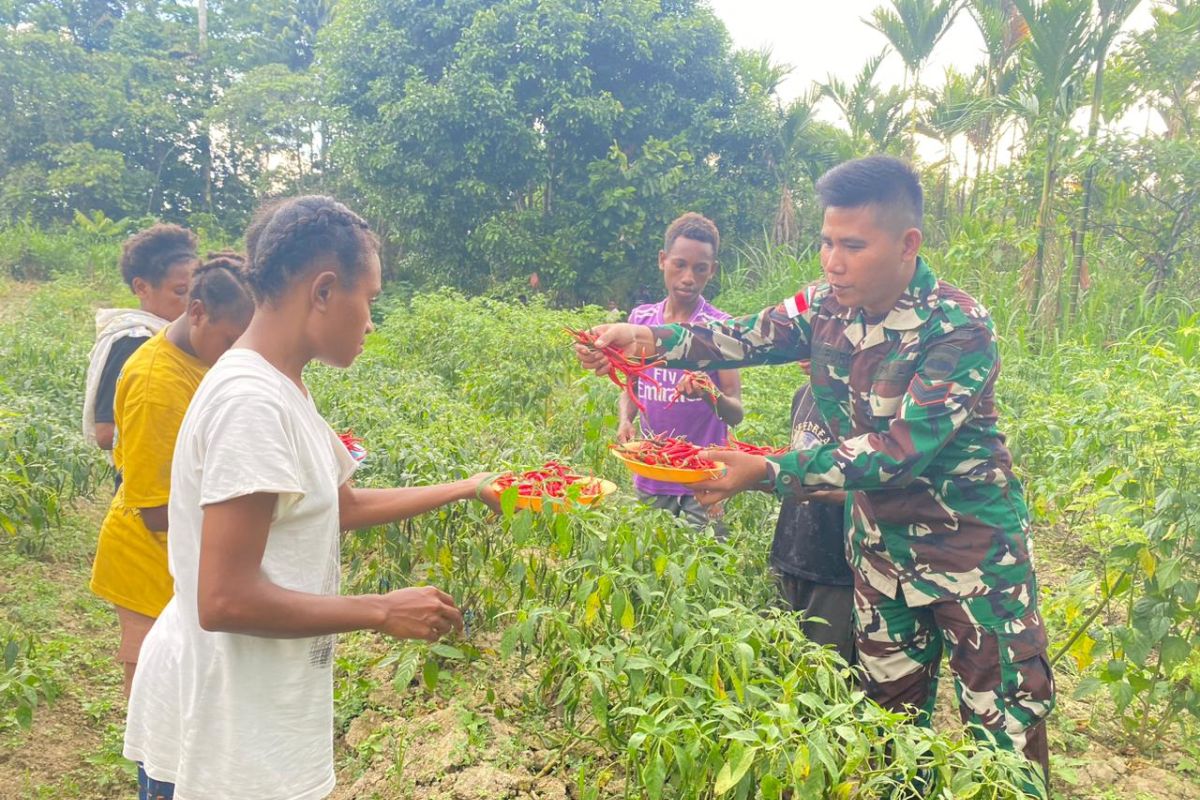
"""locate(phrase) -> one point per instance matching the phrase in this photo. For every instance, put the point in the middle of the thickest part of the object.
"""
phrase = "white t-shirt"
(224, 715)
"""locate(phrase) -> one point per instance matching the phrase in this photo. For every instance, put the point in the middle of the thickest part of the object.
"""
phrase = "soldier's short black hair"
(885, 181)
(288, 235)
(151, 253)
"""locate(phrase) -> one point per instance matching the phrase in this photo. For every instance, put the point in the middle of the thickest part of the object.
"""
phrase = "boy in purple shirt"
(688, 261)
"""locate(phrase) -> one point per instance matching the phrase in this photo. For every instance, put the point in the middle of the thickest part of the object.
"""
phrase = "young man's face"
(169, 297)
(687, 268)
(868, 257)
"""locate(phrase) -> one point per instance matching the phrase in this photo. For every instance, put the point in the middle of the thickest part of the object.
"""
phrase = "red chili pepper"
(753, 449)
(354, 445)
(702, 380)
(621, 365)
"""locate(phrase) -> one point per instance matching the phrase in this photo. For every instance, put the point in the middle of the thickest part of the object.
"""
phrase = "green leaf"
(448, 651)
(430, 673)
(1174, 650)
(627, 618)
(735, 769)
(508, 501)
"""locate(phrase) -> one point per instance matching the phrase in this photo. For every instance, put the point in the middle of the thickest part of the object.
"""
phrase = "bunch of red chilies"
(551, 480)
(620, 365)
(703, 381)
(753, 449)
(667, 451)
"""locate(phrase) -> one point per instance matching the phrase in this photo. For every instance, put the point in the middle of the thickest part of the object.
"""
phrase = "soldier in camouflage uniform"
(903, 369)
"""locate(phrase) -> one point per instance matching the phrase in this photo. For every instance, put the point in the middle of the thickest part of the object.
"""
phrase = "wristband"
(486, 481)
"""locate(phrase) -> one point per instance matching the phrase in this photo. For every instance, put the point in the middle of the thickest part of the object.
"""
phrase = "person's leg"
(665, 502)
(790, 587)
(899, 650)
(829, 617)
(150, 789)
(698, 516)
(134, 627)
(1001, 674)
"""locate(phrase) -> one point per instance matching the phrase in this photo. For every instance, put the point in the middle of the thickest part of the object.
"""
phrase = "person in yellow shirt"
(152, 395)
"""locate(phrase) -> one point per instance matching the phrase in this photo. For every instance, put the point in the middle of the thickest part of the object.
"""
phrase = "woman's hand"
(423, 612)
(742, 472)
(482, 481)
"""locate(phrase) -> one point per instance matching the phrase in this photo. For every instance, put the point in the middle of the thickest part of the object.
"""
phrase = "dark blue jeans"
(150, 789)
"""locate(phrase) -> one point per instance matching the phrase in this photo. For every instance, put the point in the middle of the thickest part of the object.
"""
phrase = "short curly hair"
(286, 236)
(696, 227)
(151, 253)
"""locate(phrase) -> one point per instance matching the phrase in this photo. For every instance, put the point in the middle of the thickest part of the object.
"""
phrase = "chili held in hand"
(620, 365)
(354, 445)
(703, 382)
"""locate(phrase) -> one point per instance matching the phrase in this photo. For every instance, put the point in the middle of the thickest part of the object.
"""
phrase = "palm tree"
(757, 68)
(875, 118)
(1059, 42)
(1003, 30)
(1112, 14)
(950, 112)
(760, 74)
(914, 27)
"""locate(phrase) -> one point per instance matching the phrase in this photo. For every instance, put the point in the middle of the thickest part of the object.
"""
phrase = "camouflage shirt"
(936, 511)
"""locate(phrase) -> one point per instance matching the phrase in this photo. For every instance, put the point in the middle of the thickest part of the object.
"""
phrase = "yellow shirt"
(153, 392)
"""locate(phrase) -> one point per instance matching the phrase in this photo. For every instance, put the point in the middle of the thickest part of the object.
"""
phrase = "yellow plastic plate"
(535, 503)
(669, 474)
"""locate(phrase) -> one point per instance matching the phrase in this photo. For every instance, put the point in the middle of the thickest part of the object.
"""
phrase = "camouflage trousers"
(997, 646)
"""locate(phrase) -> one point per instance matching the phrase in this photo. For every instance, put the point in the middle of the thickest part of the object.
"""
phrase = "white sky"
(820, 38)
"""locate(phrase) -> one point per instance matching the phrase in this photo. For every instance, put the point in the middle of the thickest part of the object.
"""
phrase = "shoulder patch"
(941, 361)
(925, 395)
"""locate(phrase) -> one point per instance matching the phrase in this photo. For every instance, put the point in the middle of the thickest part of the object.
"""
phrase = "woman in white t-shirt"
(233, 696)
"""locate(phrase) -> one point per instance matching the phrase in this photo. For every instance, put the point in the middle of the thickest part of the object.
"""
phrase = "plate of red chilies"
(667, 458)
(550, 482)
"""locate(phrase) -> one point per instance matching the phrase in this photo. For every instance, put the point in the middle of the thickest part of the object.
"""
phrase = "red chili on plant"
(620, 365)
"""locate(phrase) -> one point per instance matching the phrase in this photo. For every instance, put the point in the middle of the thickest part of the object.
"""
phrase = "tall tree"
(1057, 48)
(1110, 16)
(875, 117)
(556, 135)
(1003, 30)
(951, 112)
(913, 28)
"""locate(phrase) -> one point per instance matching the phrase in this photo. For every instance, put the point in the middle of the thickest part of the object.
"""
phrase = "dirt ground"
(479, 735)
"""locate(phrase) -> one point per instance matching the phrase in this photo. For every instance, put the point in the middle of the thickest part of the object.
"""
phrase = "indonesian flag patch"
(798, 303)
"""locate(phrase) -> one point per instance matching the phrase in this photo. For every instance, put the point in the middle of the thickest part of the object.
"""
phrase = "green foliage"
(46, 463)
(1122, 476)
(554, 136)
(27, 679)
